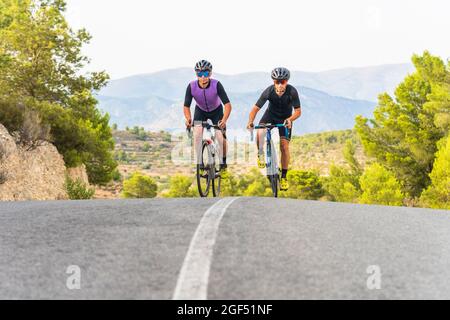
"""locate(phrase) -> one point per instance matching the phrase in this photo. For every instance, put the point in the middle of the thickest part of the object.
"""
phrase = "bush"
(77, 190)
(180, 187)
(32, 132)
(146, 147)
(139, 186)
(116, 176)
(342, 185)
(146, 166)
(304, 185)
(438, 193)
(379, 186)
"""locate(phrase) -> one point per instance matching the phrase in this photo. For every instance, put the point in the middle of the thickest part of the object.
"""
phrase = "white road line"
(192, 282)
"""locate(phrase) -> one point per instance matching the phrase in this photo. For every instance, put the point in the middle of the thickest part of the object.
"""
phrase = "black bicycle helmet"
(280, 74)
(203, 65)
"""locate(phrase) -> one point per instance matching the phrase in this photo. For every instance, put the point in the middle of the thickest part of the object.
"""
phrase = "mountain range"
(330, 99)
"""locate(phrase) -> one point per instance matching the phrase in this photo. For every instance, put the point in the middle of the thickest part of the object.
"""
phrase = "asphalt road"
(264, 248)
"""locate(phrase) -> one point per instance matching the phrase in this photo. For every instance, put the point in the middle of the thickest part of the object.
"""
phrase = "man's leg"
(215, 117)
(198, 139)
(260, 139)
(285, 156)
(223, 147)
(198, 134)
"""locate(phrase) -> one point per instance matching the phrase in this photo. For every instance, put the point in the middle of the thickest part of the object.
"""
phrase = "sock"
(224, 160)
(284, 173)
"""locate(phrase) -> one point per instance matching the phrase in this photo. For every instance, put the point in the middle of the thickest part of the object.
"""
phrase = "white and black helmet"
(203, 65)
(280, 74)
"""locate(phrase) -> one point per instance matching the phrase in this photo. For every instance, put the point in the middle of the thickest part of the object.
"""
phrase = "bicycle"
(208, 170)
(271, 156)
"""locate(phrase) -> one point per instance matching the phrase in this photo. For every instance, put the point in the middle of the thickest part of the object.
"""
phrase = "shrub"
(342, 185)
(139, 186)
(304, 185)
(116, 176)
(77, 190)
(437, 195)
(32, 132)
(379, 186)
(180, 187)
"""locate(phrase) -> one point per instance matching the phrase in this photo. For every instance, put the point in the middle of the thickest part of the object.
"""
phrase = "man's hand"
(188, 123)
(222, 124)
(288, 123)
(250, 125)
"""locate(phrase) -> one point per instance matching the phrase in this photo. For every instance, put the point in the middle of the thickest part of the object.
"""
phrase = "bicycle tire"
(272, 169)
(203, 190)
(216, 174)
(274, 184)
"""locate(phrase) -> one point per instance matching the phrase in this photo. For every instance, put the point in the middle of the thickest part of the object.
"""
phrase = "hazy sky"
(142, 36)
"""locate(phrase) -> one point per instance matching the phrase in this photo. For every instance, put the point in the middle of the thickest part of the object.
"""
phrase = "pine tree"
(404, 132)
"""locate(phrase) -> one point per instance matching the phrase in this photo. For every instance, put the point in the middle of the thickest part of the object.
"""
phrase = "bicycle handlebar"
(271, 126)
(204, 124)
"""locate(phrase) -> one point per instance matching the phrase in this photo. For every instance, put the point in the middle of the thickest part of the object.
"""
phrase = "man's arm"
(297, 113)
(258, 105)
(227, 104)
(252, 116)
(187, 107)
(227, 112)
(187, 116)
(297, 108)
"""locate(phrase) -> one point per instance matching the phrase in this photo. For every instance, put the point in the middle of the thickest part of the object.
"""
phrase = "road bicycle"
(273, 173)
(208, 170)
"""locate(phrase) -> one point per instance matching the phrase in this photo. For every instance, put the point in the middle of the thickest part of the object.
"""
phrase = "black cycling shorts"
(215, 116)
(269, 118)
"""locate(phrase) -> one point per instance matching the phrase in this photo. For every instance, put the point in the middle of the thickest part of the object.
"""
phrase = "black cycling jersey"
(280, 107)
(220, 91)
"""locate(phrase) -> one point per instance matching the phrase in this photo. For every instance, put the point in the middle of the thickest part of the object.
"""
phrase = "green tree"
(438, 193)
(350, 158)
(139, 186)
(254, 184)
(404, 132)
(379, 186)
(303, 185)
(342, 185)
(230, 187)
(40, 69)
(180, 187)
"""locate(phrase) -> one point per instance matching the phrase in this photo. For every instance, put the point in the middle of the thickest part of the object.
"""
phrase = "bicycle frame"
(271, 158)
(209, 143)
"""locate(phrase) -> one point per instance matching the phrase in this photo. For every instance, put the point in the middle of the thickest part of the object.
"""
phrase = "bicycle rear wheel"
(203, 172)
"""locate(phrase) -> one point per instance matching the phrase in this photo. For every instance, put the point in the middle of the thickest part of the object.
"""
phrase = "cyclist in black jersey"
(284, 108)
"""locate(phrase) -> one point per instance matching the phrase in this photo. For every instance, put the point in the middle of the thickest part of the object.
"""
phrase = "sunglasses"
(280, 81)
(203, 74)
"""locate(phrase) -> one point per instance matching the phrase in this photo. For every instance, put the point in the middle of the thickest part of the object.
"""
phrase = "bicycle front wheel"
(274, 179)
(217, 178)
(203, 172)
(272, 168)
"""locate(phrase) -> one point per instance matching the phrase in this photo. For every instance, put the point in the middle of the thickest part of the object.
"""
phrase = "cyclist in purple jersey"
(210, 98)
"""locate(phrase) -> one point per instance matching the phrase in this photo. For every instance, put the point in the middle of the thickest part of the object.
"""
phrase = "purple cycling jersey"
(206, 99)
